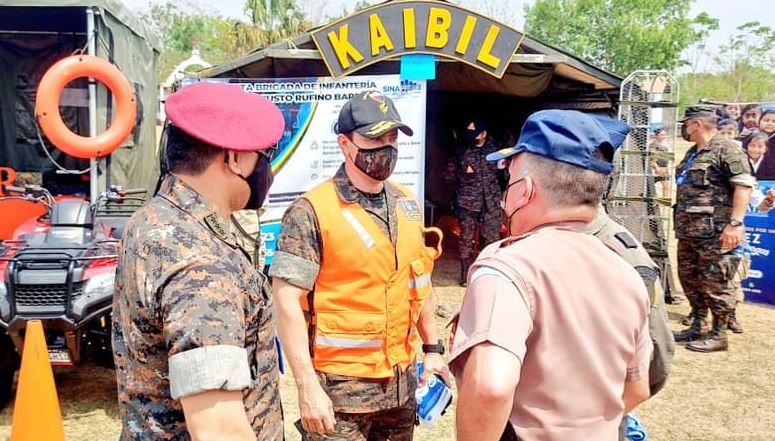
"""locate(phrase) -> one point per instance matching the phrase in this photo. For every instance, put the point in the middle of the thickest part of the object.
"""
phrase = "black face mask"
(259, 181)
(506, 217)
(377, 163)
(685, 133)
(470, 137)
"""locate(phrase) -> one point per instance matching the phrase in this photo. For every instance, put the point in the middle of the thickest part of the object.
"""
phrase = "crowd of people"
(562, 330)
(754, 128)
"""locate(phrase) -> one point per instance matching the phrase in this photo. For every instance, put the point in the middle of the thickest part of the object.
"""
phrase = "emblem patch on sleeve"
(411, 209)
(626, 240)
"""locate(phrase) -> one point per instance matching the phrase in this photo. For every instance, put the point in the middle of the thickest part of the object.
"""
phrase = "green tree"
(184, 27)
(620, 35)
(281, 20)
(743, 69)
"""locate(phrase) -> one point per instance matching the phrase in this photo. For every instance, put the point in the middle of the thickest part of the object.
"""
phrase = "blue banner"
(759, 287)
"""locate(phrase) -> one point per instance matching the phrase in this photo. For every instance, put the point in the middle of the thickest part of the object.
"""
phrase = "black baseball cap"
(698, 111)
(370, 114)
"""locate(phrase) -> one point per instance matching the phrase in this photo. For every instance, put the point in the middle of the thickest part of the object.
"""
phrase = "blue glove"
(635, 430)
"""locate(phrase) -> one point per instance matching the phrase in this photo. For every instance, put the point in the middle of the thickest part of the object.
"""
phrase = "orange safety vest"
(368, 294)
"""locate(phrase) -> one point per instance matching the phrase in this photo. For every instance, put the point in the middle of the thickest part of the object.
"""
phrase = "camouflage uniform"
(477, 201)
(190, 314)
(364, 408)
(247, 232)
(619, 239)
(703, 207)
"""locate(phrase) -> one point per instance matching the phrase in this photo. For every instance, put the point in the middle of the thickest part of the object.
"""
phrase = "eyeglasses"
(506, 192)
(270, 153)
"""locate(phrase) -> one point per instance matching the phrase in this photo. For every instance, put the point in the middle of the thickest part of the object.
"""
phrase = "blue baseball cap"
(569, 136)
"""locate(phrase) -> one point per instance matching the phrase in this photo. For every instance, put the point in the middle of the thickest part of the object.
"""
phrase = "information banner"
(759, 287)
(308, 152)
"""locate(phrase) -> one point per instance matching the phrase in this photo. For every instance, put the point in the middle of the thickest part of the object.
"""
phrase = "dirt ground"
(723, 396)
(726, 396)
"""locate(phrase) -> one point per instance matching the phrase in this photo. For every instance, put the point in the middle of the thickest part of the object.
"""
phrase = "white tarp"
(308, 152)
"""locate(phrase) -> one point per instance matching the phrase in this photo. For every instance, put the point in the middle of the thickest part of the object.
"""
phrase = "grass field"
(723, 396)
(727, 396)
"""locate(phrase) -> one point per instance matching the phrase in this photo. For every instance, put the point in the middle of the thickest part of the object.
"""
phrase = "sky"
(729, 13)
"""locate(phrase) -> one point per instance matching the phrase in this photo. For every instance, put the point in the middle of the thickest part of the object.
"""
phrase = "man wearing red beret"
(193, 321)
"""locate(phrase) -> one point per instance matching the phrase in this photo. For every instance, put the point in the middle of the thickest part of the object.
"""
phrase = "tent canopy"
(33, 36)
(538, 76)
(66, 16)
(537, 71)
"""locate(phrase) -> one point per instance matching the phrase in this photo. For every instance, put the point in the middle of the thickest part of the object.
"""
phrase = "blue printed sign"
(759, 287)
(269, 234)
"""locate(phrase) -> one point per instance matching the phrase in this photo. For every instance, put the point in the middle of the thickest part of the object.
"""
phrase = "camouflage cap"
(698, 111)
(371, 114)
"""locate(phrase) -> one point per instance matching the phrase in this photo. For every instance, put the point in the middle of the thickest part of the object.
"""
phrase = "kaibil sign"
(409, 27)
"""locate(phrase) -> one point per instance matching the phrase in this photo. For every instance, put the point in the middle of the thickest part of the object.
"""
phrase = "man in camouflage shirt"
(477, 197)
(343, 407)
(193, 321)
(714, 186)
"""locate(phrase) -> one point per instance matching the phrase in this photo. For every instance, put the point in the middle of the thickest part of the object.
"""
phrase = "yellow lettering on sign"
(410, 38)
(379, 36)
(465, 35)
(489, 41)
(343, 48)
(439, 21)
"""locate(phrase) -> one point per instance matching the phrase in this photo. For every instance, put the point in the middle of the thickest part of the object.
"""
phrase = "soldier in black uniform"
(477, 199)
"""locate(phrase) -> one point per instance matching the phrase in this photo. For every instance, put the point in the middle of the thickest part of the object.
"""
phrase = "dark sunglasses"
(270, 153)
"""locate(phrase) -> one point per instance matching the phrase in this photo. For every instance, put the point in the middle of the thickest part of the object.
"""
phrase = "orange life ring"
(47, 106)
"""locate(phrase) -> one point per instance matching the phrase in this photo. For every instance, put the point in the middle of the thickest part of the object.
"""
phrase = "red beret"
(225, 116)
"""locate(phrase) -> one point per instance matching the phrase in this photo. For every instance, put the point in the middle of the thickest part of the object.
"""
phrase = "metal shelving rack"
(642, 199)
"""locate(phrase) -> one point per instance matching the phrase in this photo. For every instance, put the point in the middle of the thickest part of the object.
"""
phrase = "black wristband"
(437, 348)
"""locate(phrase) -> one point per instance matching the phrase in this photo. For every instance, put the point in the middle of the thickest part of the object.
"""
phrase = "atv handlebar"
(32, 193)
(135, 191)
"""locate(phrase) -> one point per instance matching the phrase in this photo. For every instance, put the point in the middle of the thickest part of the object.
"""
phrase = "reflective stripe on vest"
(321, 340)
(420, 282)
(360, 229)
(368, 293)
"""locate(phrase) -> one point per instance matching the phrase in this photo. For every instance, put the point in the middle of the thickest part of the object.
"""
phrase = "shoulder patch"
(648, 272)
(736, 167)
(411, 209)
(626, 239)
(215, 225)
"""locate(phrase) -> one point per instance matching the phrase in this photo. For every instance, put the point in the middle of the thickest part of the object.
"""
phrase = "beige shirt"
(575, 315)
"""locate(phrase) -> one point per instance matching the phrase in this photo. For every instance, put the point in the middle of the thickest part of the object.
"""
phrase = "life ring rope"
(50, 120)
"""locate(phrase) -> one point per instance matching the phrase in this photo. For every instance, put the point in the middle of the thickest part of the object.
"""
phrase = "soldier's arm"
(217, 415)
(426, 325)
(735, 163)
(317, 412)
(740, 201)
(294, 270)
(204, 329)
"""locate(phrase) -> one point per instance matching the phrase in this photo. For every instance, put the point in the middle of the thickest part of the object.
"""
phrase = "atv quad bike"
(59, 268)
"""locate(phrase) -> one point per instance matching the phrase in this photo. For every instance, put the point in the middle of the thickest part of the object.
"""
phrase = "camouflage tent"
(34, 35)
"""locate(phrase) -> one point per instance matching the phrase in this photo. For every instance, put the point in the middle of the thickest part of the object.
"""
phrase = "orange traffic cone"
(36, 414)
